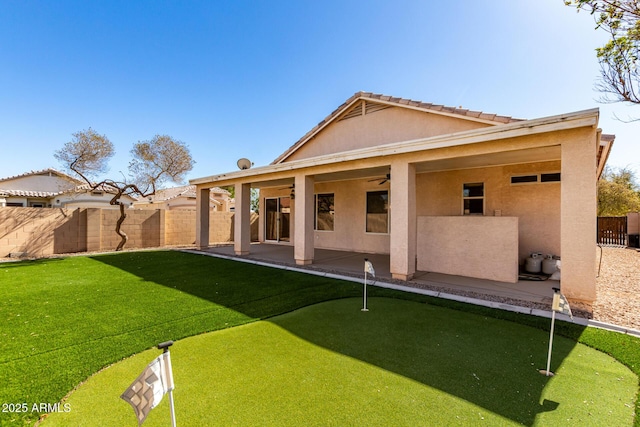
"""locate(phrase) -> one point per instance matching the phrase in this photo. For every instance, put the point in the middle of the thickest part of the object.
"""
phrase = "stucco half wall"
(482, 247)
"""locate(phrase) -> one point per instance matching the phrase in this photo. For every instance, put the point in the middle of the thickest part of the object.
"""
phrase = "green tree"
(154, 162)
(619, 57)
(255, 197)
(618, 193)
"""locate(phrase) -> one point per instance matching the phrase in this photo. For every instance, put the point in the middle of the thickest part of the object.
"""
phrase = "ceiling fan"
(382, 180)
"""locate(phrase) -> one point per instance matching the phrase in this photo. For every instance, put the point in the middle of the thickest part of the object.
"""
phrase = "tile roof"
(167, 194)
(80, 187)
(26, 193)
(399, 102)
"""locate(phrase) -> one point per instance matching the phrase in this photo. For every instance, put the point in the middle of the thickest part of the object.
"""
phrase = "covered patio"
(351, 264)
(466, 198)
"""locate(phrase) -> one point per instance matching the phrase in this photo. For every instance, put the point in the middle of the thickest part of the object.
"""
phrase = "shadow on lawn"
(489, 362)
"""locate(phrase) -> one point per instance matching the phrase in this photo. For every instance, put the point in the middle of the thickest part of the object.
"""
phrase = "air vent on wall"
(369, 107)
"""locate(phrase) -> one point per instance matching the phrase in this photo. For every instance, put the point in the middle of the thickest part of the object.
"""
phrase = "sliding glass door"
(277, 219)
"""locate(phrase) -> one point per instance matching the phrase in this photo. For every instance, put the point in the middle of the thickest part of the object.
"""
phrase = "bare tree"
(154, 163)
(619, 57)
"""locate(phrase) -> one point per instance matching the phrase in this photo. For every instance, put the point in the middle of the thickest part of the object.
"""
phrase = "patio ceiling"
(540, 154)
(532, 155)
(343, 175)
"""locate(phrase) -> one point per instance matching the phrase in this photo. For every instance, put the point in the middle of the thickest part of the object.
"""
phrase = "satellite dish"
(244, 163)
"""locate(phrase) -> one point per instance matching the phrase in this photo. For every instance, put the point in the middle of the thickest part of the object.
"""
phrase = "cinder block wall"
(180, 227)
(37, 232)
(141, 226)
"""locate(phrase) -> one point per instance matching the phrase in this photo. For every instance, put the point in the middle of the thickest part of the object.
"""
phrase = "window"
(324, 213)
(377, 212)
(550, 177)
(543, 177)
(524, 179)
(473, 199)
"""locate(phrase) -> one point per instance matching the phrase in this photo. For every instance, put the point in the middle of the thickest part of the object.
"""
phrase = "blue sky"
(248, 78)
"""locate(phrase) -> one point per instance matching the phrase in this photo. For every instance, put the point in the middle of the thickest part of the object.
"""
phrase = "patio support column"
(242, 220)
(403, 220)
(202, 218)
(303, 220)
(578, 216)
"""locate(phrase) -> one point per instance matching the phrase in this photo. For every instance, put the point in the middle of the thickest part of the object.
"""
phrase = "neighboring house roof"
(21, 186)
(26, 193)
(48, 171)
(376, 102)
(167, 194)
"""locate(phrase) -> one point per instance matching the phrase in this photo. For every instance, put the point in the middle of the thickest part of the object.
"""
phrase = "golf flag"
(560, 304)
(368, 268)
(146, 392)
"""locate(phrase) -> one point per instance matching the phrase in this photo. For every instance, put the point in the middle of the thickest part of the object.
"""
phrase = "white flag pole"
(365, 287)
(553, 321)
(365, 293)
(169, 371)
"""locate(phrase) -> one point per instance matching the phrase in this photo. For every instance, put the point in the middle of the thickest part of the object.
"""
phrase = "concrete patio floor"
(352, 264)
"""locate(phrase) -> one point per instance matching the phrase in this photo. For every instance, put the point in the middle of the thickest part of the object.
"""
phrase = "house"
(437, 188)
(184, 198)
(50, 188)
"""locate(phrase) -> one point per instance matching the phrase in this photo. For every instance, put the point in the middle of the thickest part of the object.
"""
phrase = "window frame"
(316, 213)
(465, 198)
(367, 213)
(540, 178)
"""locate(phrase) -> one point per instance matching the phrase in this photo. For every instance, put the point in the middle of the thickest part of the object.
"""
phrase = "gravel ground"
(618, 287)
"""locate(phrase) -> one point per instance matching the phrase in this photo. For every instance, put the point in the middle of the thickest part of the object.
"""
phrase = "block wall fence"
(39, 232)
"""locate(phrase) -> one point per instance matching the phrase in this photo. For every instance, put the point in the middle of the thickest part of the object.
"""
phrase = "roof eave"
(606, 142)
(585, 118)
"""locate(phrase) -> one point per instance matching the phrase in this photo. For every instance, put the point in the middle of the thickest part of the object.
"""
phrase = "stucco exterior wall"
(536, 205)
(633, 223)
(41, 182)
(475, 246)
(349, 221)
(579, 216)
(381, 127)
(87, 199)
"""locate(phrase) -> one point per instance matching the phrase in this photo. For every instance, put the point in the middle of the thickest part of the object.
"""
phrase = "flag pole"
(167, 355)
(561, 305)
(365, 288)
(365, 293)
(553, 321)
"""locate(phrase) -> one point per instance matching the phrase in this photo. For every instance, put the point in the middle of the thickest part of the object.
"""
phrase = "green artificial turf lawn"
(400, 364)
(64, 319)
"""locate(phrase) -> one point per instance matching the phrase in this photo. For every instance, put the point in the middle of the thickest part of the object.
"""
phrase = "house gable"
(368, 120)
(45, 181)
